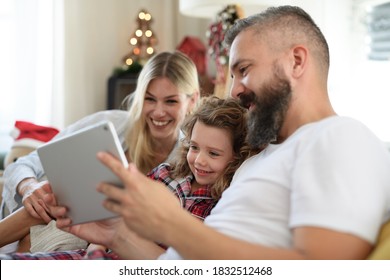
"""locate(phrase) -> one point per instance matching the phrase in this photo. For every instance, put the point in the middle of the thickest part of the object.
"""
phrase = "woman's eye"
(172, 101)
(149, 99)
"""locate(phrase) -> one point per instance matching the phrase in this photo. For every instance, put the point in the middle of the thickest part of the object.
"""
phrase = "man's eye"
(242, 70)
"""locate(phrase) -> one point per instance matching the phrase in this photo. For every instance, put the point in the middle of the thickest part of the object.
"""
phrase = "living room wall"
(96, 38)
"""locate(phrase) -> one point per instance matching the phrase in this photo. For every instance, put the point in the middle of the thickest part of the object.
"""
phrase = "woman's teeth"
(160, 123)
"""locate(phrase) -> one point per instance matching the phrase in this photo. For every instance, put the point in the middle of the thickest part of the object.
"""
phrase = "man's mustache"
(247, 99)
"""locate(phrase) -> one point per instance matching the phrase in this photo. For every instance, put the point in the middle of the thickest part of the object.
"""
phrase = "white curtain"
(31, 64)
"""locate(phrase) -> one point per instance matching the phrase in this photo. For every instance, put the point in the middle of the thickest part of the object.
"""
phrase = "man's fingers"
(116, 166)
(112, 206)
(112, 192)
(111, 162)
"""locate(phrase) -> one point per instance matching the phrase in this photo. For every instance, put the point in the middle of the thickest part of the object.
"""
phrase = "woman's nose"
(159, 109)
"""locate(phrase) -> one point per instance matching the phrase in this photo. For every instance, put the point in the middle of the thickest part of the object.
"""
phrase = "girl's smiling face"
(211, 149)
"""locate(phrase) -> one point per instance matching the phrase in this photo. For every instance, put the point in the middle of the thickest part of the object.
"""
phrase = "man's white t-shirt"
(333, 174)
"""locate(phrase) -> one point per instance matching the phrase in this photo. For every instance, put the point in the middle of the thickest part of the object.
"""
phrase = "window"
(27, 66)
(358, 85)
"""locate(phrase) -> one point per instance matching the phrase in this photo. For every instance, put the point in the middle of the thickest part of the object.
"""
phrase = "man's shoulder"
(337, 126)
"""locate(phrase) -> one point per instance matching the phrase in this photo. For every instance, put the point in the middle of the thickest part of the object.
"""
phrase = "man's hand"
(100, 232)
(140, 201)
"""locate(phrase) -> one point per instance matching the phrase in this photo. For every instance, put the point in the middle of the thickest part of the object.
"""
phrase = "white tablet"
(73, 170)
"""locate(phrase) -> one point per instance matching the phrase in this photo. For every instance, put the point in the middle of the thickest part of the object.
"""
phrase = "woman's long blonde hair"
(181, 72)
(225, 114)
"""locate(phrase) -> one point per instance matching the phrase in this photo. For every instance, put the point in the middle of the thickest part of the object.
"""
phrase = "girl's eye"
(193, 147)
(214, 154)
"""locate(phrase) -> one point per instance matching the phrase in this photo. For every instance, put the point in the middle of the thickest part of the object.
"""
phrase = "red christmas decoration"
(196, 50)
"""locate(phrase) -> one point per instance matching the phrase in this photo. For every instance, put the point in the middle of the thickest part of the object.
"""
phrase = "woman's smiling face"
(164, 108)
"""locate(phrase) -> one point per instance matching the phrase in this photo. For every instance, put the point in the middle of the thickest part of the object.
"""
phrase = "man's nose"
(236, 88)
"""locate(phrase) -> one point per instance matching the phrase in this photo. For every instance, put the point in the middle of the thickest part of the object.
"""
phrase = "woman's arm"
(25, 168)
(16, 226)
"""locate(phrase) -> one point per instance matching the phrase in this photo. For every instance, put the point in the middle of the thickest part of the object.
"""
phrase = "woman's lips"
(160, 123)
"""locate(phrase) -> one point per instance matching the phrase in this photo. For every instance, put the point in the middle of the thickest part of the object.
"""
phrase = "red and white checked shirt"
(198, 203)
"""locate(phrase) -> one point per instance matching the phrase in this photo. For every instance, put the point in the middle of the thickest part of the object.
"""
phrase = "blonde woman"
(167, 90)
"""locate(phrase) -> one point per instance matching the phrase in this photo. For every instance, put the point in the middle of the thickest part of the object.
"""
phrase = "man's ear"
(299, 54)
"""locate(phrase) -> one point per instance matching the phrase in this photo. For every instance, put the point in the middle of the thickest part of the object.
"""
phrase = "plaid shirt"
(62, 255)
(199, 204)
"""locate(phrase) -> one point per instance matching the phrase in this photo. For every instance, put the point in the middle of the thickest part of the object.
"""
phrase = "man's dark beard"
(271, 105)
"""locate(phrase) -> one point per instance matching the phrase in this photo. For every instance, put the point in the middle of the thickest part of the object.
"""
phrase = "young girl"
(203, 166)
(210, 153)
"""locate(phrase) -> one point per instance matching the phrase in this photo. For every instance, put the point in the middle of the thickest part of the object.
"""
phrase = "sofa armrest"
(382, 248)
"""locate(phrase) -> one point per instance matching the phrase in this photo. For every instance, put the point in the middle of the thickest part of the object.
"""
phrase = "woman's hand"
(34, 194)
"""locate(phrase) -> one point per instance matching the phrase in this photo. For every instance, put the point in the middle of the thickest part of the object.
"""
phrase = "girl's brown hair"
(221, 113)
